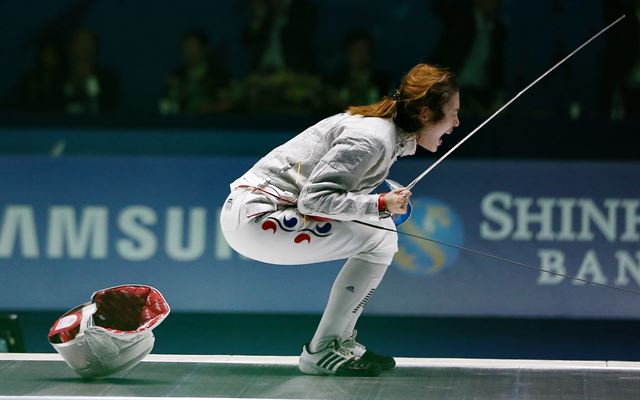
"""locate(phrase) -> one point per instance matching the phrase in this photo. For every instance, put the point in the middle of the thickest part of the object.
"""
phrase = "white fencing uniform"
(285, 236)
(327, 171)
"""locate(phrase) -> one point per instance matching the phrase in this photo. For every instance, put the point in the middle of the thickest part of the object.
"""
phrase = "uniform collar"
(406, 143)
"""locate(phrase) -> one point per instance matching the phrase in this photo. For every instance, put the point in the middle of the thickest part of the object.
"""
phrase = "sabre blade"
(503, 259)
(438, 161)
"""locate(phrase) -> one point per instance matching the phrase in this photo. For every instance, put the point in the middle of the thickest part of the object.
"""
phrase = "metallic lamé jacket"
(332, 167)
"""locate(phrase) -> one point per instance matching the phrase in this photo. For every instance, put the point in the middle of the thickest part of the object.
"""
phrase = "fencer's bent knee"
(383, 244)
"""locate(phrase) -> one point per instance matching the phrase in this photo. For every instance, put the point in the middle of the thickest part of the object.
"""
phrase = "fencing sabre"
(507, 260)
(399, 219)
(438, 161)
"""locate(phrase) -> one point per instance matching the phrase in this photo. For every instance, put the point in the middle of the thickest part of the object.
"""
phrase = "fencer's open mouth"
(442, 137)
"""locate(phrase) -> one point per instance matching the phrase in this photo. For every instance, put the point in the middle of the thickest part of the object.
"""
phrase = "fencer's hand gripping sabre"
(400, 219)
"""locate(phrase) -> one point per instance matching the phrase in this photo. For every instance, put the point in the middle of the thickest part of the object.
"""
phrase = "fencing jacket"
(332, 167)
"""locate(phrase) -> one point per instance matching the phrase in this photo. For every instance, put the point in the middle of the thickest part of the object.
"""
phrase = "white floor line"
(45, 397)
(401, 362)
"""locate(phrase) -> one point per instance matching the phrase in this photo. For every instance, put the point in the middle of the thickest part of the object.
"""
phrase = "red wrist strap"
(381, 205)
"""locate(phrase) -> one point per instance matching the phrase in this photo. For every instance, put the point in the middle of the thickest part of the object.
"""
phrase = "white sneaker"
(358, 350)
(335, 360)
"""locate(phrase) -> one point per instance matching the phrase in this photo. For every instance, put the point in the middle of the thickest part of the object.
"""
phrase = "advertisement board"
(70, 226)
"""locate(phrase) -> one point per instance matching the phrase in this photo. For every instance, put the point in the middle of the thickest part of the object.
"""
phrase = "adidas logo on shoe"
(334, 360)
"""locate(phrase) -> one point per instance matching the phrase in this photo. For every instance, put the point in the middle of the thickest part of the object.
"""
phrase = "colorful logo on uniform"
(305, 230)
(434, 219)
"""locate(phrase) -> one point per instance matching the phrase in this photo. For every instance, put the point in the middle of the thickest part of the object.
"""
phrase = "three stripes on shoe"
(331, 361)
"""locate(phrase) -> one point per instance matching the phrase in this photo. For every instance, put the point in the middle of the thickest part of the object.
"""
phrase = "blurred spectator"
(41, 90)
(283, 81)
(357, 82)
(280, 32)
(279, 93)
(471, 45)
(621, 85)
(89, 88)
(195, 87)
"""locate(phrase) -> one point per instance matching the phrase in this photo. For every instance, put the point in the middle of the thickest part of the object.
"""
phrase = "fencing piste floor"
(46, 376)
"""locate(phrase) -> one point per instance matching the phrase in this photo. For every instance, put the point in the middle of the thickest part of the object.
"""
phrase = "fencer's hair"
(423, 86)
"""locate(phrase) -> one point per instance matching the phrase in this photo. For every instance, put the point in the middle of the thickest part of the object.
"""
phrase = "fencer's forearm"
(338, 206)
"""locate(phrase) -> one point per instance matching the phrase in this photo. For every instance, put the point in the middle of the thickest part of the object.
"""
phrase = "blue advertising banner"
(70, 226)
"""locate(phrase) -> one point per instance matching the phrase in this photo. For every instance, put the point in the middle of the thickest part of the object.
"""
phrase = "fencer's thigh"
(286, 237)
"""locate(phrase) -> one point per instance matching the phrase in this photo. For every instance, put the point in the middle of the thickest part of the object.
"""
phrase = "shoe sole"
(383, 366)
(312, 369)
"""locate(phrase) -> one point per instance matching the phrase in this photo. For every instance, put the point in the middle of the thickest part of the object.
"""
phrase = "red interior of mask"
(123, 309)
(129, 308)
